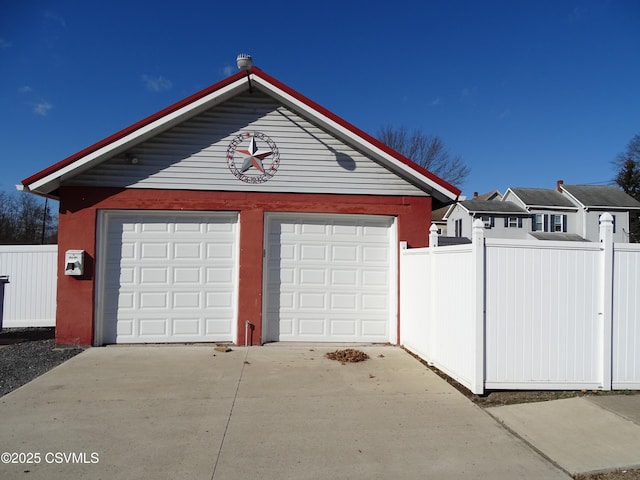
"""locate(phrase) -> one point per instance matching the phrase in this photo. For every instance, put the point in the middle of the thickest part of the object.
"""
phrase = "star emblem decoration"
(252, 166)
(253, 156)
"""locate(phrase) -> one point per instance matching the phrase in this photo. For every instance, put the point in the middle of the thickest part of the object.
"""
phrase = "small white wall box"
(74, 262)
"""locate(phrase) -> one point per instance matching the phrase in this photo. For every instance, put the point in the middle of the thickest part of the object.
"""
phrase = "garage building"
(244, 213)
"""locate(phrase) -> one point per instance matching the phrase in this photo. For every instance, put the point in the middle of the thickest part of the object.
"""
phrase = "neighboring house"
(570, 213)
(493, 195)
(501, 219)
(593, 201)
(244, 213)
(553, 215)
(438, 218)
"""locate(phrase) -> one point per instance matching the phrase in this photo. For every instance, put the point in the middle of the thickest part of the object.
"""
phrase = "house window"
(458, 227)
(557, 223)
(488, 222)
(513, 222)
(549, 223)
(538, 225)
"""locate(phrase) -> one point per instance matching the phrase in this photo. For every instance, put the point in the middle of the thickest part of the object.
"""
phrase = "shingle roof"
(542, 197)
(601, 196)
(492, 206)
(565, 237)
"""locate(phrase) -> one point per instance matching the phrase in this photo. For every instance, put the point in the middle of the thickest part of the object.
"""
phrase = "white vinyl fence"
(30, 295)
(516, 314)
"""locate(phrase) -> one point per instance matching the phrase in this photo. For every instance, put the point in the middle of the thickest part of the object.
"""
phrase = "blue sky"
(526, 92)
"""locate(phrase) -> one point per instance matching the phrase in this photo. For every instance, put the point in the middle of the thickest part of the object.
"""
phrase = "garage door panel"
(342, 301)
(343, 327)
(344, 277)
(176, 280)
(374, 329)
(187, 276)
(220, 251)
(154, 275)
(313, 277)
(375, 278)
(345, 253)
(218, 327)
(312, 326)
(320, 272)
(311, 301)
(375, 255)
(313, 253)
(187, 251)
(183, 300)
(222, 276)
(153, 300)
(187, 327)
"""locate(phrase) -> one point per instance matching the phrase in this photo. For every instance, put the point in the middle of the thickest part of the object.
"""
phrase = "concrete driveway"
(274, 412)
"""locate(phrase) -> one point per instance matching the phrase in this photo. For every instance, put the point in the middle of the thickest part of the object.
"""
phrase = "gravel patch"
(27, 353)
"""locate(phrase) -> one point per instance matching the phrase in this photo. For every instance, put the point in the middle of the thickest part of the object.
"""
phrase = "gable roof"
(601, 196)
(493, 195)
(47, 181)
(542, 197)
(493, 207)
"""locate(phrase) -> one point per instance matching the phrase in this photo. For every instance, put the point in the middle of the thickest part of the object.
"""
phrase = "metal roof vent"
(244, 61)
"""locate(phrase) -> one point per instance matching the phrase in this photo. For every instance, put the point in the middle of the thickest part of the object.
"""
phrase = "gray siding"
(193, 154)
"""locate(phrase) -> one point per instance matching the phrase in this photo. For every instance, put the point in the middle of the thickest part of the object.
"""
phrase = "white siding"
(30, 297)
(193, 154)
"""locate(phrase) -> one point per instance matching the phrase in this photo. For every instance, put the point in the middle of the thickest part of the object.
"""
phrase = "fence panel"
(30, 295)
(543, 315)
(437, 308)
(516, 314)
(626, 317)
(415, 298)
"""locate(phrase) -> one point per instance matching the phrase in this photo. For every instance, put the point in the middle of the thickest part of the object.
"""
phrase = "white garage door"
(330, 278)
(168, 277)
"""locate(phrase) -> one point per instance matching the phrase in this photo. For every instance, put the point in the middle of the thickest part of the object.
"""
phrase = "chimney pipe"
(475, 194)
(559, 185)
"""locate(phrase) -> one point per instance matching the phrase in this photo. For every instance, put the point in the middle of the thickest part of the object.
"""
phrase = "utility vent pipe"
(244, 61)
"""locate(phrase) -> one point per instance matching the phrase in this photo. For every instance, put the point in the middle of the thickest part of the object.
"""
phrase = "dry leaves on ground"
(349, 355)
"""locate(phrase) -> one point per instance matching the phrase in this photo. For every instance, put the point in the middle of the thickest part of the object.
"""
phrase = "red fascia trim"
(132, 128)
(356, 131)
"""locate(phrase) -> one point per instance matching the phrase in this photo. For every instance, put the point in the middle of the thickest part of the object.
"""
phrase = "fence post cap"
(478, 223)
(606, 217)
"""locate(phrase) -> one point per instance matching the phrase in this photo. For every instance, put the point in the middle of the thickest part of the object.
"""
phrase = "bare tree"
(26, 220)
(628, 178)
(428, 151)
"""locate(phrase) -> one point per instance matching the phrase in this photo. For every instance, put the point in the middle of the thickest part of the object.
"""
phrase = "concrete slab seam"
(526, 442)
(612, 410)
(226, 427)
